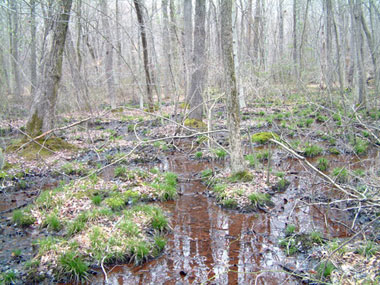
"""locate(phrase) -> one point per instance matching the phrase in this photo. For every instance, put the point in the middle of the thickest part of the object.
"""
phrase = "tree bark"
(140, 19)
(359, 55)
(33, 50)
(195, 96)
(109, 55)
(233, 110)
(42, 115)
(187, 41)
(295, 47)
(15, 49)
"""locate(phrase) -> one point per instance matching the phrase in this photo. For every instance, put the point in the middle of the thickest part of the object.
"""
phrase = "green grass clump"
(198, 155)
(220, 153)
(334, 150)
(264, 137)
(316, 237)
(159, 244)
(290, 229)
(52, 222)
(289, 245)
(207, 173)
(312, 150)
(78, 224)
(16, 253)
(97, 199)
(323, 164)
(116, 202)
(259, 198)
(129, 228)
(262, 155)
(360, 146)
(252, 160)
(166, 186)
(229, 203)
(340, 174)
(325, 268)
(47, 244)
(120, 171)
(140, 250)
(241, 176)
(8, 277)
(159, 221)
(22, 218)
(369, 249)
(73, 265)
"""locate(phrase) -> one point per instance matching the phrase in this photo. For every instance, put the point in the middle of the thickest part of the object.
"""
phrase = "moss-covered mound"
(42, 147)
(264, 137)
(193, 123)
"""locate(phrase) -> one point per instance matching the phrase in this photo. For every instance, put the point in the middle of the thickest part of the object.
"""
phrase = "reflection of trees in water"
(219, 245)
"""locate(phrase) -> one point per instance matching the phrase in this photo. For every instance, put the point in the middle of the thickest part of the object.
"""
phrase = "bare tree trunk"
(140, 19)
(359, 55)
(328, 72)
(300, 60)
(233, 110)
(166, 45)
(372, 50)
(256, 31)
(118, 42)
(42, 115)
(295, 47)
(359, 52)
(109, 55)
(195, 96)
(188, 41)
(33, 50)
(15, 48)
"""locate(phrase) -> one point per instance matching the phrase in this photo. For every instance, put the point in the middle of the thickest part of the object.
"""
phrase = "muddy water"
(210, 244)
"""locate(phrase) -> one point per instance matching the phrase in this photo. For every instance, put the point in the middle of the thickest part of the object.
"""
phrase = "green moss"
(33, 150)
(184, 105)
(264, 137)
(34, 126)
(193, 123)
(220, 153)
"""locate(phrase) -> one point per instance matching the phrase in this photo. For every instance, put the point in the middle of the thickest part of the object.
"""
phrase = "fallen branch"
(326, 177)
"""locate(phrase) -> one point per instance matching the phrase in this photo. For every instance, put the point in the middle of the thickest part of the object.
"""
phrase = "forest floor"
(157, 199)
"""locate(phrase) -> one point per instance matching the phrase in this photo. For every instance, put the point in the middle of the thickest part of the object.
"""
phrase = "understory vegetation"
(107, 209)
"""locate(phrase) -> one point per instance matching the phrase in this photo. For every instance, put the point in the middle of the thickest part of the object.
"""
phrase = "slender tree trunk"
(301, 60)
(33, 50)
(256, 31)
(14, 34)
(188, 41)
(233, 110)
(372, 49)
(109, 55)
(140, 19)
(295, 47)
(195, 96)
(42, 115)
(359, 55)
